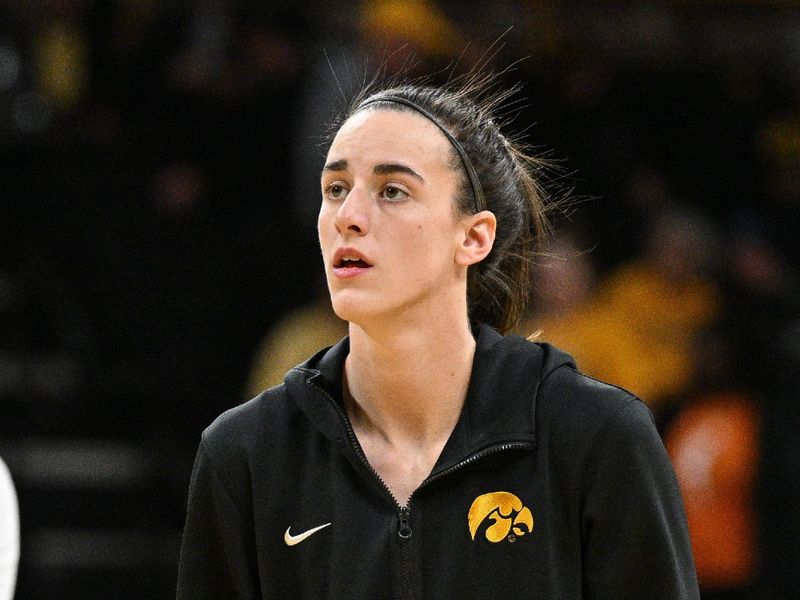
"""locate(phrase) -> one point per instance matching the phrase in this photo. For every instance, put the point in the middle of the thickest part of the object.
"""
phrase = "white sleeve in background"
(9, 534)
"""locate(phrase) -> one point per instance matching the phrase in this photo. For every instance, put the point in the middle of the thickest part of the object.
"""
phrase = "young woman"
(426, 455)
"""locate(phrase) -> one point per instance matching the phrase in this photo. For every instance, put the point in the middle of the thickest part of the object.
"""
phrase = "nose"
(352, 216)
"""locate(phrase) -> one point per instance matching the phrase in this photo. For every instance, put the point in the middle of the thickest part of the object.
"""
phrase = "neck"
(409, 383)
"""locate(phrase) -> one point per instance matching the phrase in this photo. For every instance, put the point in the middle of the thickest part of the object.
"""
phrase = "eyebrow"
(337, 165)
(381, 169)
(388, 169)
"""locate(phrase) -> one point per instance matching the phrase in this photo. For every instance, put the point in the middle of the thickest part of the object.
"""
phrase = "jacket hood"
(507, 372)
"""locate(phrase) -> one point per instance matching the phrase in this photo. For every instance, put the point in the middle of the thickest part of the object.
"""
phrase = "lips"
(351, 261)
(348, 262)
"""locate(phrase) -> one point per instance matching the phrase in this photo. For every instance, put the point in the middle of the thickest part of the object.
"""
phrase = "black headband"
(477, 190)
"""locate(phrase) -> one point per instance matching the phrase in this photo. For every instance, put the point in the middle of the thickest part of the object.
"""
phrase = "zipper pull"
(404, 529)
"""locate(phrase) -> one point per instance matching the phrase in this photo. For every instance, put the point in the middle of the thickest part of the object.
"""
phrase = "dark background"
(158, 187)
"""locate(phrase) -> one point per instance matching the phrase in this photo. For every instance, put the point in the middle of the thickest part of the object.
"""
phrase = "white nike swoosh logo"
(291, 540)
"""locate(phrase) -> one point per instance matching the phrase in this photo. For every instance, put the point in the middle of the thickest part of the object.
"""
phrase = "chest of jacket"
(489, 527)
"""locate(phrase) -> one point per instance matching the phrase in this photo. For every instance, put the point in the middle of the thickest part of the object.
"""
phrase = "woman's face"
(387, 225)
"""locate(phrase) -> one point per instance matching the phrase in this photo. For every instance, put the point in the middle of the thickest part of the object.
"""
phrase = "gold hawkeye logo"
(510, 518)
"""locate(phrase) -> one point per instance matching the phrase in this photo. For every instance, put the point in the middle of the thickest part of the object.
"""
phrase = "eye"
(335, 191)
(393, 193)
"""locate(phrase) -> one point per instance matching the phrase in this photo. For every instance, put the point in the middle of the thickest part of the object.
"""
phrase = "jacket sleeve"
(634, 533)
(218, 556)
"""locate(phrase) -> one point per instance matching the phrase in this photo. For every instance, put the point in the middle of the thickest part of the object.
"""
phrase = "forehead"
(376, 135)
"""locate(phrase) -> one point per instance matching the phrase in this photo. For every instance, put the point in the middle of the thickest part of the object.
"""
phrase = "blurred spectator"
(60, 53)
(390, 32)
(715, 443)
(648, 309)
(714, 447)
(636, 331)
(9, 534)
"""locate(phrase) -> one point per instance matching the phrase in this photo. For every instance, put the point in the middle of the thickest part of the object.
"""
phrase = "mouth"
(348, 262)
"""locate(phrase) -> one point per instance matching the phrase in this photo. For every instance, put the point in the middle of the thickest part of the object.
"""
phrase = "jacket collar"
(501, 399)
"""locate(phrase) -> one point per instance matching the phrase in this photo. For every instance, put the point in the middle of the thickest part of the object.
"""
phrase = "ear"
(478, 238)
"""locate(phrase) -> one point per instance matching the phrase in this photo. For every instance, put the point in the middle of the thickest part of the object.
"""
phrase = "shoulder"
(578, 409)
(598, 436)
(246, 429)
(569, 389)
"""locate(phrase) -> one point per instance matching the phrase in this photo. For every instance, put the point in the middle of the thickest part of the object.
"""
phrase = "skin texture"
(388, 194)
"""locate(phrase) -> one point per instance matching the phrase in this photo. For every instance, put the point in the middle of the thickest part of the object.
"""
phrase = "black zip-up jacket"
(552, 486)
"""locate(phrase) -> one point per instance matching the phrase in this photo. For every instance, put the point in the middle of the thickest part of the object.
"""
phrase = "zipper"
(494, 449)
(404, 512)
(404, 530)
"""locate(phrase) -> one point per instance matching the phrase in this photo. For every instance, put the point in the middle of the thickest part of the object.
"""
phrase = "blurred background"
(158, 260)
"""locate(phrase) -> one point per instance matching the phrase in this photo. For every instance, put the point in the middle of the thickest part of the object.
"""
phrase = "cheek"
(324, 224)
(423, 251)
(323, 215)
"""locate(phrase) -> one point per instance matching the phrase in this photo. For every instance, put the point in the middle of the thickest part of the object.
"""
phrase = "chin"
(349, 307)
(360, 308)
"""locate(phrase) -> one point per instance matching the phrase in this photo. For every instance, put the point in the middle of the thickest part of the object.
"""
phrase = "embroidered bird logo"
(510, 518)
